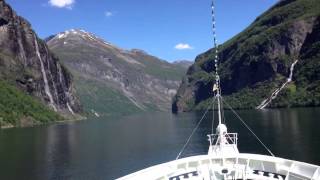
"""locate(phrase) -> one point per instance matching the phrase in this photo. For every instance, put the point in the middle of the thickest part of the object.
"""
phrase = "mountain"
(183, 63)
(30, 76)
(275, 62)
(111, 80)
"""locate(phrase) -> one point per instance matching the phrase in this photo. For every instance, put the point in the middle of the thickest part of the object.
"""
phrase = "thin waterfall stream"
(275, 93)
(44, 75)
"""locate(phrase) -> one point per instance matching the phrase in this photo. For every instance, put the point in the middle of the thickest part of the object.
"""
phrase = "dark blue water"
(110, 148)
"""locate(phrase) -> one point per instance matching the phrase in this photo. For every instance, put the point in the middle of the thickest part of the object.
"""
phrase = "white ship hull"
(241, 166)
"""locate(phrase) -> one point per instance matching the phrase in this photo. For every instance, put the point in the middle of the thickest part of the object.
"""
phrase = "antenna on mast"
(216, 86)
(222, 142)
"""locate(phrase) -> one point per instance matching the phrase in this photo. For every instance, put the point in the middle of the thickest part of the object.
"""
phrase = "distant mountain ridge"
(114, 80)
(183, 63)
(272, 63)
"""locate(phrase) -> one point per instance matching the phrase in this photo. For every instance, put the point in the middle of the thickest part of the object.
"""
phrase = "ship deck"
(240, 166)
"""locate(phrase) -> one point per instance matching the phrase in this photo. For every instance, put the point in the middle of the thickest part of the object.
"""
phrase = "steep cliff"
(111, 80)
(272, 63)
(27, 63)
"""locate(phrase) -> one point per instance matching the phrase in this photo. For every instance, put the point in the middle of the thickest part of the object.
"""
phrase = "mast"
(222, 143)
(218, 96)
(216, 85)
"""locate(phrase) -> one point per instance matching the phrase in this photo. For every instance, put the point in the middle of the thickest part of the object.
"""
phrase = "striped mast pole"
(216, 85)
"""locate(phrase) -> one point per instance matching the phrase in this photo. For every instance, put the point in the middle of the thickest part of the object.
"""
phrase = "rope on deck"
(237, 115)
(193, 131)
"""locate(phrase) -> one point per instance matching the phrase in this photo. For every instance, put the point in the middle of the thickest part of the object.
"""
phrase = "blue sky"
(156, 26)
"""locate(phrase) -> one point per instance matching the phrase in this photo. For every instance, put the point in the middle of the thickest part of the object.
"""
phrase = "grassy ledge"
(18, 109)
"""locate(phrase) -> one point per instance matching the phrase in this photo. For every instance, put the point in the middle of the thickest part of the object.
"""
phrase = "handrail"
(283, 164)
(232, 138)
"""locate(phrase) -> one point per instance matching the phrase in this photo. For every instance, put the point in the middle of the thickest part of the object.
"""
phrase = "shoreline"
(74, 119)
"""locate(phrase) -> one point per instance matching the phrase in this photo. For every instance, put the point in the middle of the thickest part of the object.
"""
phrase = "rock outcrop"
(26, 61)
(258, 61)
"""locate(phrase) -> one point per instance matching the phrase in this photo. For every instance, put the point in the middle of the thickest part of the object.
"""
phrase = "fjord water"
(107, 148)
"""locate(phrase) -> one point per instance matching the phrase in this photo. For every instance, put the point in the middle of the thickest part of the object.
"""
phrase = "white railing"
(244, 164)
(230, 138)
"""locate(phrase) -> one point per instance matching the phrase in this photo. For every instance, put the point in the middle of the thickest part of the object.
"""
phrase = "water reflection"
(290, 132)
(109, 148)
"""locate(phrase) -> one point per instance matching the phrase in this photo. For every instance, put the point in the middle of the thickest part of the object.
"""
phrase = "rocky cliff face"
(265, 65)
(112, 80)
(26, 61)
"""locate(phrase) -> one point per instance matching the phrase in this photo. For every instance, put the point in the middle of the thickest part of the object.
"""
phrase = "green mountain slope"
(19, 109)
(256, 63)
(99, 98)
(115, 81)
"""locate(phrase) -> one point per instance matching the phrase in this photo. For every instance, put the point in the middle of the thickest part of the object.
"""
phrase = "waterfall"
(55, 91)
(44, 75)
(291, 70)
(69, 108)
(60, 73)
(275, 93)
(64, 89)
(22, 52)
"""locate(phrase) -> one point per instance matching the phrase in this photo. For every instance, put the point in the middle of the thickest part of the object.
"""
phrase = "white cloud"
(62, 3)
(183, 46)
(108, 13)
